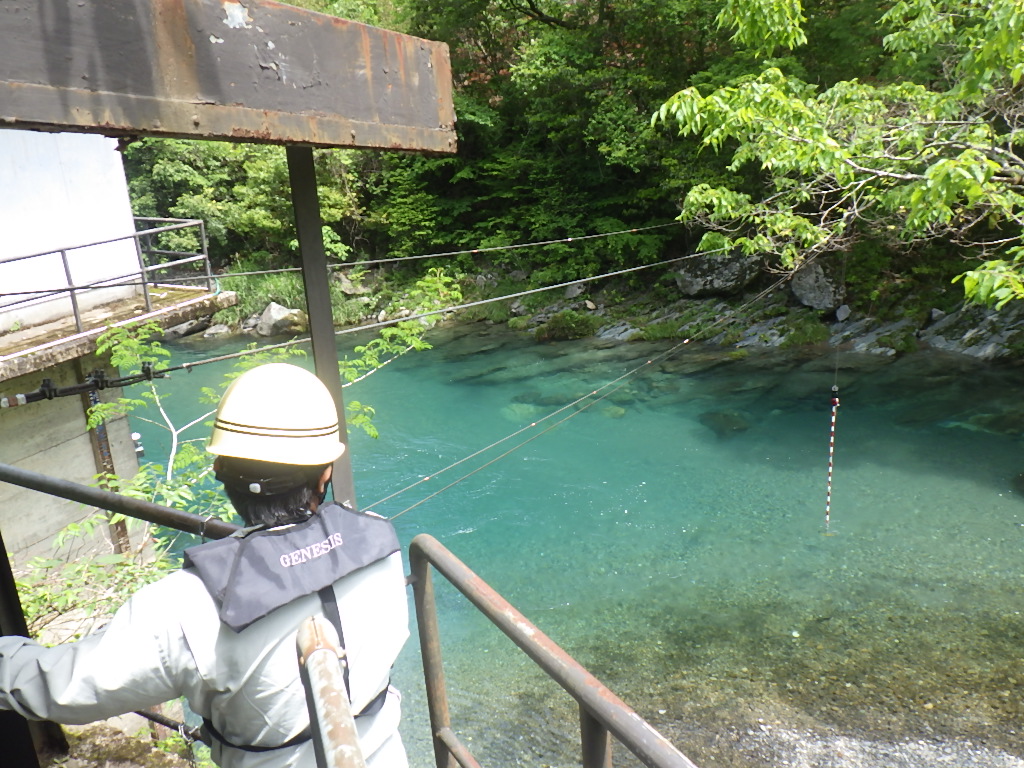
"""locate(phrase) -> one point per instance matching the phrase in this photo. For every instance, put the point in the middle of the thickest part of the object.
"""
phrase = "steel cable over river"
(670, 538)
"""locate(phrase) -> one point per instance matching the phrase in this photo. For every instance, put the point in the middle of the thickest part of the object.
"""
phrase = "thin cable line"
(371, 262)
(620, 381)
(516, 246)
(445, 310)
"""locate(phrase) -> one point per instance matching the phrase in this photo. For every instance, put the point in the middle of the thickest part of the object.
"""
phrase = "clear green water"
(690, 570)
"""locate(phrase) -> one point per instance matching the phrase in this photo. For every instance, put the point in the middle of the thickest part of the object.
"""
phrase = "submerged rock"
(724, 423)
(520, 412)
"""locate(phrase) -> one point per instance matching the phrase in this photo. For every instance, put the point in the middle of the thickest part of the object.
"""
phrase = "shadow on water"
(671, 537)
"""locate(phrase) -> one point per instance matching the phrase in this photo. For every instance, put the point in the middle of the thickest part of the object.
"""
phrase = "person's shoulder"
(181, 586)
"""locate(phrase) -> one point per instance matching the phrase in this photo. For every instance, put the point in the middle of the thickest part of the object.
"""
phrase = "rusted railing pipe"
(331, 724)
(433, 665)
(209, 527)
(605, 707)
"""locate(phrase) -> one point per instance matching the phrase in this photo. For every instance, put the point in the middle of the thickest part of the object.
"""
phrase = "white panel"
(61, 190)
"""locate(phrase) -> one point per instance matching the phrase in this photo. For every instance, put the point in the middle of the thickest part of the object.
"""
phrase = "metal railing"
(333, 728)
(602, 713)
(151, 260)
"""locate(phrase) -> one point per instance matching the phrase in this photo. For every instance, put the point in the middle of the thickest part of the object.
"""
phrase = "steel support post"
(433, 666)
(306, 202)
(595, 741)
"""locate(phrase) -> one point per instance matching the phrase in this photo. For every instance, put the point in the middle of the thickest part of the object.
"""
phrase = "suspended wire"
(516, 246)
(610, 386)
(373, 262)
(593, 399)
(50, 393)
(444, 311)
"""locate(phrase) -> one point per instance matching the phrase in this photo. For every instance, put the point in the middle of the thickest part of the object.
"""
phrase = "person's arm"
(135, 662)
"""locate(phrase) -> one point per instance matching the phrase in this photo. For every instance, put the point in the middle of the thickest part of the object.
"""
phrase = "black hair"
(270, 494)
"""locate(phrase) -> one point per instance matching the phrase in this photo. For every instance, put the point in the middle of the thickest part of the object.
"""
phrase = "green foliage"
(130, 346)
(902, 342)
(433, 292)
(665, 329)
(996, 282)
(568, 324)
(87, 588)
(553, 141)
(241, 191)
(898, 163)
(803, 327)
(764, 25)
(255, 292)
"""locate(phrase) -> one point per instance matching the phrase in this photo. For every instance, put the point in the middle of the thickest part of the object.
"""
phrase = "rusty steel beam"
(239, 70)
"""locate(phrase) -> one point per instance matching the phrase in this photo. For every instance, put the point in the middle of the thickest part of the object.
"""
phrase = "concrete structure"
(58, 191)
(61, 192)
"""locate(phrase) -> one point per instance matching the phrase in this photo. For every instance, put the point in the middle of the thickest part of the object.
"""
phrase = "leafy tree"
(934, 155)
(552, 100)
(242, 192)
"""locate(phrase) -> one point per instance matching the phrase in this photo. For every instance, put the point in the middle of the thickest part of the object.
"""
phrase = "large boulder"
(716, 275)
(725, 424)
(277, 321)
(814, 288)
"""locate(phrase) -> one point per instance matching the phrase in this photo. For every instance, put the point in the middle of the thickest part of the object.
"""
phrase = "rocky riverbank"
(725, 302)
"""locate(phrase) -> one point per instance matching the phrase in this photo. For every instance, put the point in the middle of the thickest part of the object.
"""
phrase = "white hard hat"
(277, 413)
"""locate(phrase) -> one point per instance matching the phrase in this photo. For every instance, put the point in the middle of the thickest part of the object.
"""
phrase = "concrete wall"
(50, 437)
(60, 190)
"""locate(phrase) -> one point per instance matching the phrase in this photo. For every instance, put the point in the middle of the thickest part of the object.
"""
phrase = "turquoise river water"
(671, 537)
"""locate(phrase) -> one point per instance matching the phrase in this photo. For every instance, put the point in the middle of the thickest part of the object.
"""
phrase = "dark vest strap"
(329, 600)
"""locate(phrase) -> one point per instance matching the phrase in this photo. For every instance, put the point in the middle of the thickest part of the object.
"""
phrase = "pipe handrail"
(332, 726)
(207, 527)
(179, 224)
(109, 282)
(601, 711)
(143, 246)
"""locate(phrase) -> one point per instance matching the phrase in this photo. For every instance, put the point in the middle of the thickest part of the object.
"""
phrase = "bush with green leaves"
(566, 325)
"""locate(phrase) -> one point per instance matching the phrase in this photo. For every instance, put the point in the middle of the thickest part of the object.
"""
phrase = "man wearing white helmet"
(221, 632)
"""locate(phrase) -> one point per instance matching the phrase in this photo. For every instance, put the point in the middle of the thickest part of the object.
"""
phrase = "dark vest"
(252, 573)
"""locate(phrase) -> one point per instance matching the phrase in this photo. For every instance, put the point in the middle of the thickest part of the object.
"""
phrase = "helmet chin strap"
(321, 496)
